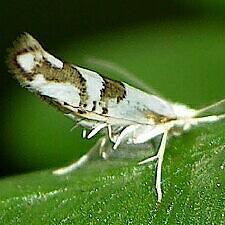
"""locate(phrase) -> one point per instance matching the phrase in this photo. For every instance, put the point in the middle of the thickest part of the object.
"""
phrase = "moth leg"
(84, 159)
(110, 132)
(84, 133)
(158, 157)
(124, 134)
(102, 152)
(96, 129)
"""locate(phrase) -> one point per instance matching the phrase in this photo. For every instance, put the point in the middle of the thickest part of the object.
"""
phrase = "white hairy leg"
(102, 152)
(96, 129)
(123, 134)
(158, 157)
(84, 159)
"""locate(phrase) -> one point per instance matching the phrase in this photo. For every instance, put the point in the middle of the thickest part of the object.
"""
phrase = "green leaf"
(120, 192)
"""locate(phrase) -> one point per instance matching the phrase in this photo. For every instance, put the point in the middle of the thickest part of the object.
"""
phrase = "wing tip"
(25, 43)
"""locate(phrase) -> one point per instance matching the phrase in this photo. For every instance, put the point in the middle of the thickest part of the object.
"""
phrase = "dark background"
(33, 136)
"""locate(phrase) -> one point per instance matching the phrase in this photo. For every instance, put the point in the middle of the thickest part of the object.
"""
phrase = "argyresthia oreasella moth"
(98, 103)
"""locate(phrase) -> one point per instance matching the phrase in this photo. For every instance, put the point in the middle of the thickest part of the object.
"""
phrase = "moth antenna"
(115, 68)
(98, 147)
(214, 109)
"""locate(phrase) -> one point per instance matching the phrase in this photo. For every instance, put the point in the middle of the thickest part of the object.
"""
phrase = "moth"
(123, 114)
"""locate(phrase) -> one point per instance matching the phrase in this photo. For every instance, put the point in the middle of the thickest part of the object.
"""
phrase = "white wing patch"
(94, 86)
(26, 61)
(63, 92)
(137, 105)
(52, 60)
